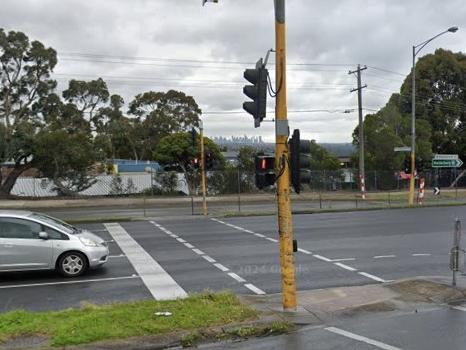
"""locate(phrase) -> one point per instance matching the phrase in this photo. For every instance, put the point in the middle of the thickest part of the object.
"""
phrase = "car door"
(20, 245)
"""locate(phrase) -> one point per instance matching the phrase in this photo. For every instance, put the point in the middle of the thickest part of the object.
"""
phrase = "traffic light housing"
(407, 164)
(300, 161)
(420, 164)
(265, 171)
(193, 136)
(257, 92)
(209, 160)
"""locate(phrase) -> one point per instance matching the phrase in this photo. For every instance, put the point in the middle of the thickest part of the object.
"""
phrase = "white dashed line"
(459, 308)
(211, 260)
(259, 235)
(221, 267)
(344, 259)
(421, 254)
(160, 284)
(375, 278)
(362, 339)
(323, 258)
(346, 267)
(272, 240)
(208, 258)
(254, 289)
(304, 251)
(236, 277)
(384, 256)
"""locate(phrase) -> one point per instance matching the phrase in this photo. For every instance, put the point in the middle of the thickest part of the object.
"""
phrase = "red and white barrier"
(420, 197)
(363, 187)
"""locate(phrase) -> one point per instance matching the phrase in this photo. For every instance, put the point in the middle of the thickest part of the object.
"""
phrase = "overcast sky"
(142, 45)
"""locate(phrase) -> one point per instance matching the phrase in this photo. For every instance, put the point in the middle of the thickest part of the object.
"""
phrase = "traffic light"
(195, 163)
(407, 165)
(300, 160)
(265, 171)
(257, 92)
(193, 136)
(420, 164)
(209, 160)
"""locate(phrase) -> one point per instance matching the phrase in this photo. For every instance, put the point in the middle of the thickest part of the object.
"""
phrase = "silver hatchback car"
(34, 241)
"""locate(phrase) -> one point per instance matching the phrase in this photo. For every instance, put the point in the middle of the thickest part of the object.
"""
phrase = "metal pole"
(362, 176)
(239, 189)
(203, 174)
(285, 224)
(413, 130)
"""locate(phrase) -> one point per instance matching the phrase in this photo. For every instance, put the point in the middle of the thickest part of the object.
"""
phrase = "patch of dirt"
(426, 291)
(24, 342)
(383, 306)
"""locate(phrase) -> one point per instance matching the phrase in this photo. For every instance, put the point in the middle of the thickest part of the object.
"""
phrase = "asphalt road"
(241, 254)
(162, 257)
(433, 329)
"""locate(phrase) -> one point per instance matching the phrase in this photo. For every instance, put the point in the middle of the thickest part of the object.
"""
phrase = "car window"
(61, 225)
(54, 234)
(19, 228)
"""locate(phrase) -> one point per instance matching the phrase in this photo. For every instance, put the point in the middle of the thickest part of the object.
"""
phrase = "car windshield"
(61, 225)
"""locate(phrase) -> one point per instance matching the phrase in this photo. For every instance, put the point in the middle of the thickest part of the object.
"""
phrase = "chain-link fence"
(234, 190)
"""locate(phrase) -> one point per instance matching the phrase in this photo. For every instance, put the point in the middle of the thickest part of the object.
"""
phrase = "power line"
(139, 58)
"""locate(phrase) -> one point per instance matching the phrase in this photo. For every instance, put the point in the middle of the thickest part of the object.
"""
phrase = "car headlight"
(88, 242)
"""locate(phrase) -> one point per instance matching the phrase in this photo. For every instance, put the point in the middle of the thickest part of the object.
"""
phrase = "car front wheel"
(72, 264)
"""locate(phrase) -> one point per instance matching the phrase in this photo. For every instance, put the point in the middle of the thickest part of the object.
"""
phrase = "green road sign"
(446, 163)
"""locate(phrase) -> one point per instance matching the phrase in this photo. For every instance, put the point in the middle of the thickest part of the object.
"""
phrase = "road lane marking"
(221, 267)
(459, 308)
(346, 267)
(336, 262)
(181, 240)
(189, 245)
(323, 258)
(254, 288)
(116, 256)
(422, 254)
(375, 278)
(208, 258)
(360, 338)
(70, 282)
(236, 277)
(160, 284)
(384, 256)
(211, 260)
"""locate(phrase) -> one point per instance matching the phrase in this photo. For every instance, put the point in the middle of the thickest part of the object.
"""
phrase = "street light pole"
(416, 49)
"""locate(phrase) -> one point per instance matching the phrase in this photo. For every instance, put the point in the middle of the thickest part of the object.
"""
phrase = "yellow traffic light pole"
(285, 223)
(203, 173)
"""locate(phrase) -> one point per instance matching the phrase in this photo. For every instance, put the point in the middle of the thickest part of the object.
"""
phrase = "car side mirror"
(43, 235)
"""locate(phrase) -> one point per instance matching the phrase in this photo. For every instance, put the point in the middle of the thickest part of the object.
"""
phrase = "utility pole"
(362, 175)
(285, 223)
(203, 173)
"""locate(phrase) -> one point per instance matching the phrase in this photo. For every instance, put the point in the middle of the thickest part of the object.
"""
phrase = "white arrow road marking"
(160, 284)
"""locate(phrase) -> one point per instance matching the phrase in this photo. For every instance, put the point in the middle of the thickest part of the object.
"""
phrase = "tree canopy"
(440, 114)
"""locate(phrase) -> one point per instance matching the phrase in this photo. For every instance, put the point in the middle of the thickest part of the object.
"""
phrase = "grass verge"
(92, 323)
